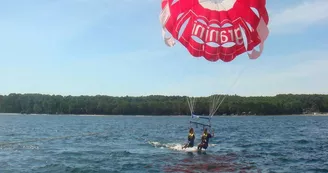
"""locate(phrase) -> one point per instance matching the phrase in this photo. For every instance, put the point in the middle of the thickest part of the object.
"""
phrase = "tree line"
(282, 104)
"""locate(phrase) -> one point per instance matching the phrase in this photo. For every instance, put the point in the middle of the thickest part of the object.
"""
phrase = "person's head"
(191, 130)
(205, 130)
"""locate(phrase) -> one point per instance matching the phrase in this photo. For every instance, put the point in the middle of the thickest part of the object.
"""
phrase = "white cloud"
(223, 80)
(304, 72)
(132, 73)
(300, 17)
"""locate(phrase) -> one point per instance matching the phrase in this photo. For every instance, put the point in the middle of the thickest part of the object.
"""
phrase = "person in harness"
(191, 139)
(205, 139)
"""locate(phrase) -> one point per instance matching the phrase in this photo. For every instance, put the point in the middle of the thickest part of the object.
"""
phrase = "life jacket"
(190, 136)
(204, 137)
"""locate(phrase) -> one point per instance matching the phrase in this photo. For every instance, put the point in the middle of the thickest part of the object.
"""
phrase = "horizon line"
(148, 95)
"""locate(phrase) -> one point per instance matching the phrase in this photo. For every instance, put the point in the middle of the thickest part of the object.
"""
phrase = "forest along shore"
(158, 105)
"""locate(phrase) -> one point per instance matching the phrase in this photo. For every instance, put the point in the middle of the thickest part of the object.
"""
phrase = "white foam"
(176, 146)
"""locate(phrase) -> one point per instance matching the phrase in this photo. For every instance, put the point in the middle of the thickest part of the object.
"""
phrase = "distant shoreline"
(99, 115)
(157, 105)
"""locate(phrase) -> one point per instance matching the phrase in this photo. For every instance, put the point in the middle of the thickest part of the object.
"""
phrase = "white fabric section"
(217, 5)
(165, 14)
(263, 32)
(169, 41)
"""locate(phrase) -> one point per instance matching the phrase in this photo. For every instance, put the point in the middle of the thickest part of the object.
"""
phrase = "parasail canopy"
(216, 29)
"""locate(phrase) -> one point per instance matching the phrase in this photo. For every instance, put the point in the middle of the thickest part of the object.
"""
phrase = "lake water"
(42, 143)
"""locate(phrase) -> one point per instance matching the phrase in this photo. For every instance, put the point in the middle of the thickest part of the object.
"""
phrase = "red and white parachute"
(216, 29)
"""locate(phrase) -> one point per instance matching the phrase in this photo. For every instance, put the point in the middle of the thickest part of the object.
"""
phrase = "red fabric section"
(201, 23)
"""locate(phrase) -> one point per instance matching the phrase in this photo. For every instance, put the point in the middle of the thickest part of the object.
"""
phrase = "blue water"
(42, 143)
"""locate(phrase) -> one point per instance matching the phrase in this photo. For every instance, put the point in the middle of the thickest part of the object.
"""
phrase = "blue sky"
(89, 47)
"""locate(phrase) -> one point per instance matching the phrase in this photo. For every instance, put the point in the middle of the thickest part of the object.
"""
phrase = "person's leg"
(200, 146)
(185, 146)
(205, 146)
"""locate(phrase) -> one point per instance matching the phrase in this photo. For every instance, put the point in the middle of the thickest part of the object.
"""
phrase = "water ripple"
(121, 144)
